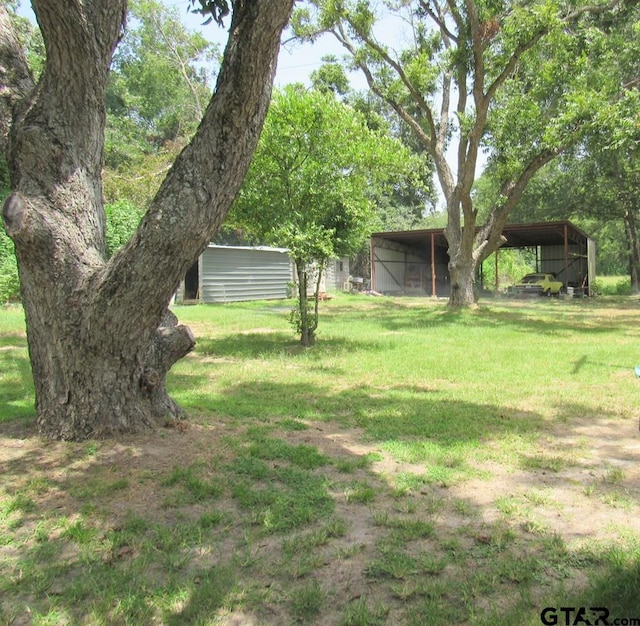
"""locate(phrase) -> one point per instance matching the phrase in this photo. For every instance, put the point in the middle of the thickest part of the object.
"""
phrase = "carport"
(415, 262)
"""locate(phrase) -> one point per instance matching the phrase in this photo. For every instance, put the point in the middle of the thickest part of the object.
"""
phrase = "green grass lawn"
(417, 466)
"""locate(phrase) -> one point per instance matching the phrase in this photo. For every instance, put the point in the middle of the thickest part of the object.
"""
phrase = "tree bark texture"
(101, 338)
(462, 265)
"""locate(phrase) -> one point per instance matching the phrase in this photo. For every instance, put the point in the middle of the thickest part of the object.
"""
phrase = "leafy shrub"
(122, 220)
(613, 285)
(623, 287)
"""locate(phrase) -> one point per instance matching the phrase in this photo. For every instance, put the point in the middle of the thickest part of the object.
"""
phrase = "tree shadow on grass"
(524, 321)
(398, 413)
(277, 344)
(534, 317)
(78, 544)
(615, 587)
(76, 553)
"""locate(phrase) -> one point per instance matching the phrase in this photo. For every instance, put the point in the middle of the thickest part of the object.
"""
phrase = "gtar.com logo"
(583, 615)
(574, 616)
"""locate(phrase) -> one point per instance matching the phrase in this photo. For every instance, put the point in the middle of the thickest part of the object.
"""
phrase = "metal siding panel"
(390, 269)
(552, 260)
(236, 274)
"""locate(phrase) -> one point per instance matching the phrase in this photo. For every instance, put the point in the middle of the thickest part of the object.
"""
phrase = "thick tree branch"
(489, 236)
(455, 14)
(80, 38)
(434, 142)
(442, 131)
(438, 20)
(512, 63)
(204, 180)
(57, 145)
(477, 50)
(399, 70)
(16, 81)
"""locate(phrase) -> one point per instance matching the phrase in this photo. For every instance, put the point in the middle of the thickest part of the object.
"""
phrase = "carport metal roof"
(517, 235)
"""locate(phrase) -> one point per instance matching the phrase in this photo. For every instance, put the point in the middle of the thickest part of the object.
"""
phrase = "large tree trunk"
(463, 288)
(462, 269)
(633, 244)
(101, 338)
(461, 251)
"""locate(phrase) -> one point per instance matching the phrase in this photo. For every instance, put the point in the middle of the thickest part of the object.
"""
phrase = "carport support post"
(372, 265)
(433, 265)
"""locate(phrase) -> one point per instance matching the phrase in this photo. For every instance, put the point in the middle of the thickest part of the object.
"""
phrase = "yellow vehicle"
(541, 284)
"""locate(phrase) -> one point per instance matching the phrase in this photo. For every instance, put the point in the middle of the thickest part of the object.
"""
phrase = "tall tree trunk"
(101, 338)
(462, 292)
(633, 244)
(462, 272)
(462, 260)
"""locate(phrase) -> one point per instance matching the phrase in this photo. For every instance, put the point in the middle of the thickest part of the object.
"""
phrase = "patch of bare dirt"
(594, 494)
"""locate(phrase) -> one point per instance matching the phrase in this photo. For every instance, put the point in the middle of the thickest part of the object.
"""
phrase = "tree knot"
(149, 380)
(13, 212)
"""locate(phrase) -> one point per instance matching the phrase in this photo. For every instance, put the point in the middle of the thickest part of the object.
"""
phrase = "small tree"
(312, 186)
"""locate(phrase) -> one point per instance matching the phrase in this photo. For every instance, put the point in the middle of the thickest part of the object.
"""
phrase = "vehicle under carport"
(415, 262)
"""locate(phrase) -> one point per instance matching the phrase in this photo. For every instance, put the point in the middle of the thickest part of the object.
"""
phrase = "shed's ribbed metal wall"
(234, 274)
(574, 273)
(391, 268)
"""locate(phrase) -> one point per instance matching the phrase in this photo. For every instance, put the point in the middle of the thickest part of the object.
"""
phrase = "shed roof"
(517, 235)
(260, 248)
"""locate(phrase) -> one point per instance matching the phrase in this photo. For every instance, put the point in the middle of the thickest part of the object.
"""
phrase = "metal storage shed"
(238, 273)
(416, 262)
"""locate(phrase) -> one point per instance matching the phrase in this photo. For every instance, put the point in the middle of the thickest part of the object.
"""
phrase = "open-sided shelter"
(415, 262)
